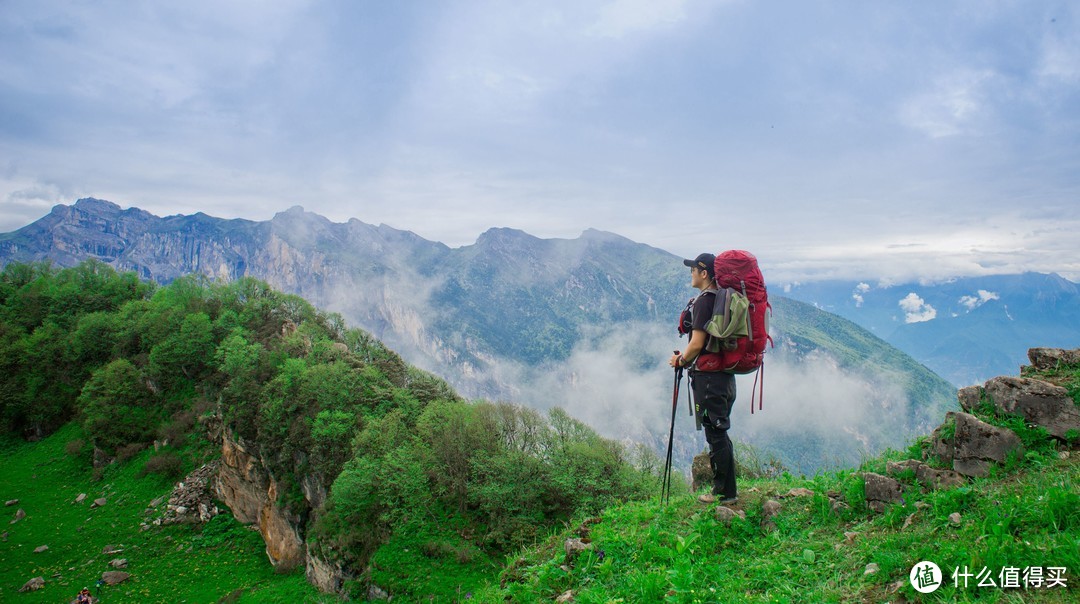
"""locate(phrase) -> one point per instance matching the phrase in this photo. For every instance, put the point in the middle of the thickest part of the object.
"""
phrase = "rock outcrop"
(244, 484)
(1038, 402)
(974, 444)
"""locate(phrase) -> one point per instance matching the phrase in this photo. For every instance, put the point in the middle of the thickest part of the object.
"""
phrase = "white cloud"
(981, 297)
(916, 309)
(858, 300)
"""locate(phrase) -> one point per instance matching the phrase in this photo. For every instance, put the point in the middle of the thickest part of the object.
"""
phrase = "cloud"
(916, 309)
(857, 295)
(981, 297)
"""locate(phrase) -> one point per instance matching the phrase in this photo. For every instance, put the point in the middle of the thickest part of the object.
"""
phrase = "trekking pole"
(665, 487)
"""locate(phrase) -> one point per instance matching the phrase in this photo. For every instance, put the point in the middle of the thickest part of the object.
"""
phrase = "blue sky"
(871, 140)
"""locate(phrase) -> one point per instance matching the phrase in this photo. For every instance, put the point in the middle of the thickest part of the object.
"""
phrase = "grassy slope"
(168, 564)
(1027, 513)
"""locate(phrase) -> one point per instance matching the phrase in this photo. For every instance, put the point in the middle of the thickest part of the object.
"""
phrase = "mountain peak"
(97, 206)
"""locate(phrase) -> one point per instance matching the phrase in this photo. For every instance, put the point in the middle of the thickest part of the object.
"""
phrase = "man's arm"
(693, 349)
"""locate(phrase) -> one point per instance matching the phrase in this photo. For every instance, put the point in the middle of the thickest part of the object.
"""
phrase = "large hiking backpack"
(739, 327)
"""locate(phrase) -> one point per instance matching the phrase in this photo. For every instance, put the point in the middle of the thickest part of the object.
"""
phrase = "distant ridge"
(583, 323)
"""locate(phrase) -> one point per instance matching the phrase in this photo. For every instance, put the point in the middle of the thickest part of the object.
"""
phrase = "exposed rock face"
(251, 493)
(969, 397)
(327, 576)
(1037, 401)
(975, 444)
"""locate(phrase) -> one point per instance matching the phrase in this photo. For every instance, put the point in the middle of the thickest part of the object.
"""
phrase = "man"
(714, 391)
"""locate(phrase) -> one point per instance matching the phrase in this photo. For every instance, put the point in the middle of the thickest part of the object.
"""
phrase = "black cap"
(703, 261)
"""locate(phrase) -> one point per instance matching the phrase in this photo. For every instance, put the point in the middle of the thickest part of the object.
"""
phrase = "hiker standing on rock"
(714, 390)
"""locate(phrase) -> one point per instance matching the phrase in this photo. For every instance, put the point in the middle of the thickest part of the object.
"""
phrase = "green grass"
(168, 564)
(645, 552)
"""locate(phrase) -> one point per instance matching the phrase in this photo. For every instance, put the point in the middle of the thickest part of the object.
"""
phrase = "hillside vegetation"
(415, 478)
(1013, 536)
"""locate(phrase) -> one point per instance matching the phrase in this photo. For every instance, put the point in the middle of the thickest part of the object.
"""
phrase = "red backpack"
(738, 270)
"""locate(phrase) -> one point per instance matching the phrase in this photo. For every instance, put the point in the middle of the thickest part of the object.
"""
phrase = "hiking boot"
(729, 500)
(707, 498)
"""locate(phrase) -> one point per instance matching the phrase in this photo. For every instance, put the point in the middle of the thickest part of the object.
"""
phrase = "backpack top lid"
(739, 268)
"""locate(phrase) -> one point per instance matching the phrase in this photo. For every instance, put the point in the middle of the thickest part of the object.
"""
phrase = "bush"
(167, 464)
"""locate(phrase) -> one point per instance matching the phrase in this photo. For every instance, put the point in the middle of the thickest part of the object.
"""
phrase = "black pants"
(714, 394)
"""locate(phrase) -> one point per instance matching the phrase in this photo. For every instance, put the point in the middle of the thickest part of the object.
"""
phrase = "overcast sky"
(853, 139)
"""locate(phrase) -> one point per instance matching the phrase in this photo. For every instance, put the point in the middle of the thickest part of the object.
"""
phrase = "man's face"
(697, 276)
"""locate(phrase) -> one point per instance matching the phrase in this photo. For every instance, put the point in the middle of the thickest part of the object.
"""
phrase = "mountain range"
(585, 323)
(966, 329)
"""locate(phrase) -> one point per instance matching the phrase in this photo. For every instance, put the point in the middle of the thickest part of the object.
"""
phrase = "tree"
(117, 406)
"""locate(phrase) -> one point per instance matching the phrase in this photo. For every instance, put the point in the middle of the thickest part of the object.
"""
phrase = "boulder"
(574, 547)
(19, 515)
(726, 515)
(977, 444)
(969, 397)
(701, 474)
(799, 492)
(769, 510)
(934, 479)
(1038, 402)
(931, 478)
(114, 577)
(33, 584)
(881, 490)
(1053, 358)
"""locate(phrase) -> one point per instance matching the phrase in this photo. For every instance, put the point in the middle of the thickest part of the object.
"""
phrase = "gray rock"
(11, 502)
(41, 549)
(565, 597)
(1038, 402)
(100, 501)
(19, 515)
(33, 584)
(377, 593)
(977, 444)
(894, 468)
(969, 397)
(871, 569)
(881, 490)
(726, 515)
(934, 479)
(112, 549)
(769, 510)
(575, 546)
(114, 577)
(1053, 358)
(118, 563)
(954, 518)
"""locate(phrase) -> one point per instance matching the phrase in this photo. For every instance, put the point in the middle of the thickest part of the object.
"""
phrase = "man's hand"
(675, 358)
